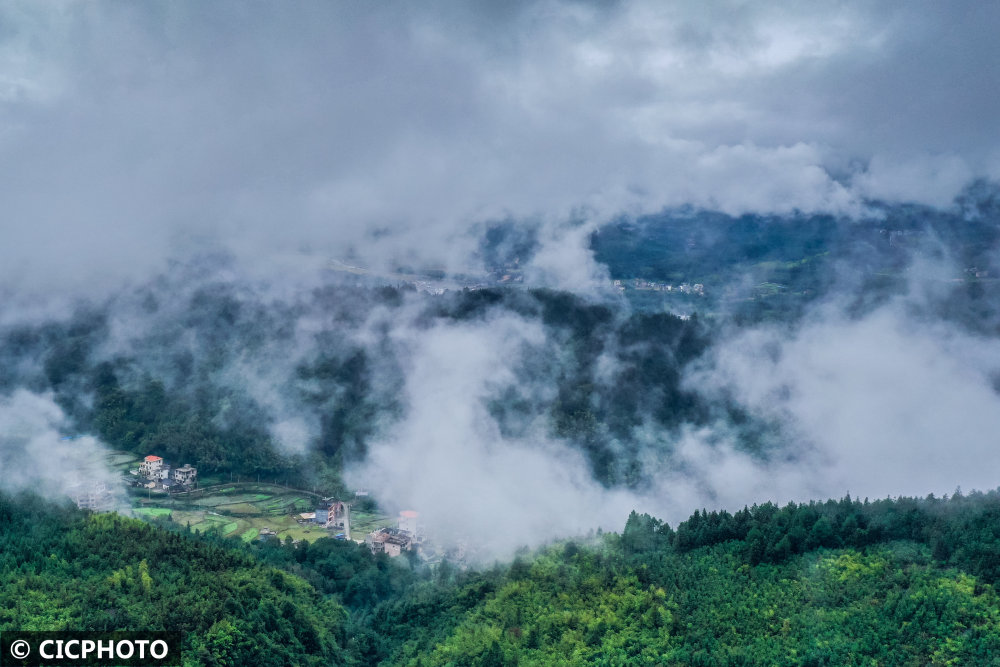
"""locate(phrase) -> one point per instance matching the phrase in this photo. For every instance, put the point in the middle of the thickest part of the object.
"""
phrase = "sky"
(131, 133)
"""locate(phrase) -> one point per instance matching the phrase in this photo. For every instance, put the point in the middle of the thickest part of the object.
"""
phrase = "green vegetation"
(185, 409)
(152, 511)
(709, 607)
(365, 522)
(771, 267)
(848, 582)
(246, 509)
(73, 570)
(206, 521)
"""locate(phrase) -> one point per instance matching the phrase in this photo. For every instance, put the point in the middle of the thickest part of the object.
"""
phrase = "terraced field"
(363, 523)
(152, 511)
(245, 509)
(122, 461)
(230, 499)
(247, 527)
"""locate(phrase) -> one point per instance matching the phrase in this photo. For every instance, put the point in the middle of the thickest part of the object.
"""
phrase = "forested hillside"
(295, 386)
(211, 374)
(63, 569)
(759, 267)
(293, 383)
(901, 582)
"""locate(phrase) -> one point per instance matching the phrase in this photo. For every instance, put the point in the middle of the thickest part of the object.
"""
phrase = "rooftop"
(153, 458)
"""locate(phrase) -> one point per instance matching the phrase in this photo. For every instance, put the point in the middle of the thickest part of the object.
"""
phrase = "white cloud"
(883, 405)
(36, 457)
(136, 132)
(448, 460)
(932, 180)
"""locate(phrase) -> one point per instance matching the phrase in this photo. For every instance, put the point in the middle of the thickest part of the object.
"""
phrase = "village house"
(95, 496)
(390, 541)
(394, 541)
(332, 515)
(151, 466)
(158, 474)
(186, 475)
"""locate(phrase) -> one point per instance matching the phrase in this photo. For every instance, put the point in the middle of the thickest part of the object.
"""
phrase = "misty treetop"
(235, 378)
(245, 376)
(299, 380)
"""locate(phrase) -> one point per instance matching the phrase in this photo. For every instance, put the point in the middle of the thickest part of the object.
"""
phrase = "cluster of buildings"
(92, 495)
(975, 272)
(405, 536)
(394, 541)
(428, 287)
(334, 515)
(155, 473)
(639, 283)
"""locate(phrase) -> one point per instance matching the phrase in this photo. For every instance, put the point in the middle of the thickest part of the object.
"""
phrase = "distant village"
(407, 536)
(653, 286)
(394, 541)
(335, 516)
(92, 495)
(153, 473)
(507, 274)
(156, 474)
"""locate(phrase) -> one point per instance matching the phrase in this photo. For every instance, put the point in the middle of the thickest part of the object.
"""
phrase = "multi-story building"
(186, 475)
(95, 496)
(151, 466)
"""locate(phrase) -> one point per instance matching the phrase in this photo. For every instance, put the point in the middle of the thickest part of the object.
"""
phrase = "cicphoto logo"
(90, 648)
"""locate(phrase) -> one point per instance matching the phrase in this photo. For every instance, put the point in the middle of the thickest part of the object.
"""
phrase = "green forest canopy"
(848, 582)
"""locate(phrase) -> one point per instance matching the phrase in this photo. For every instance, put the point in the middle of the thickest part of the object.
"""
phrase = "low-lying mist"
(506, 416)
(37, 455)
(335, 245)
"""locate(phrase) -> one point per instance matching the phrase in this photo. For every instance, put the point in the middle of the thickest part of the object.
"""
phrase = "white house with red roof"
(151, 466)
